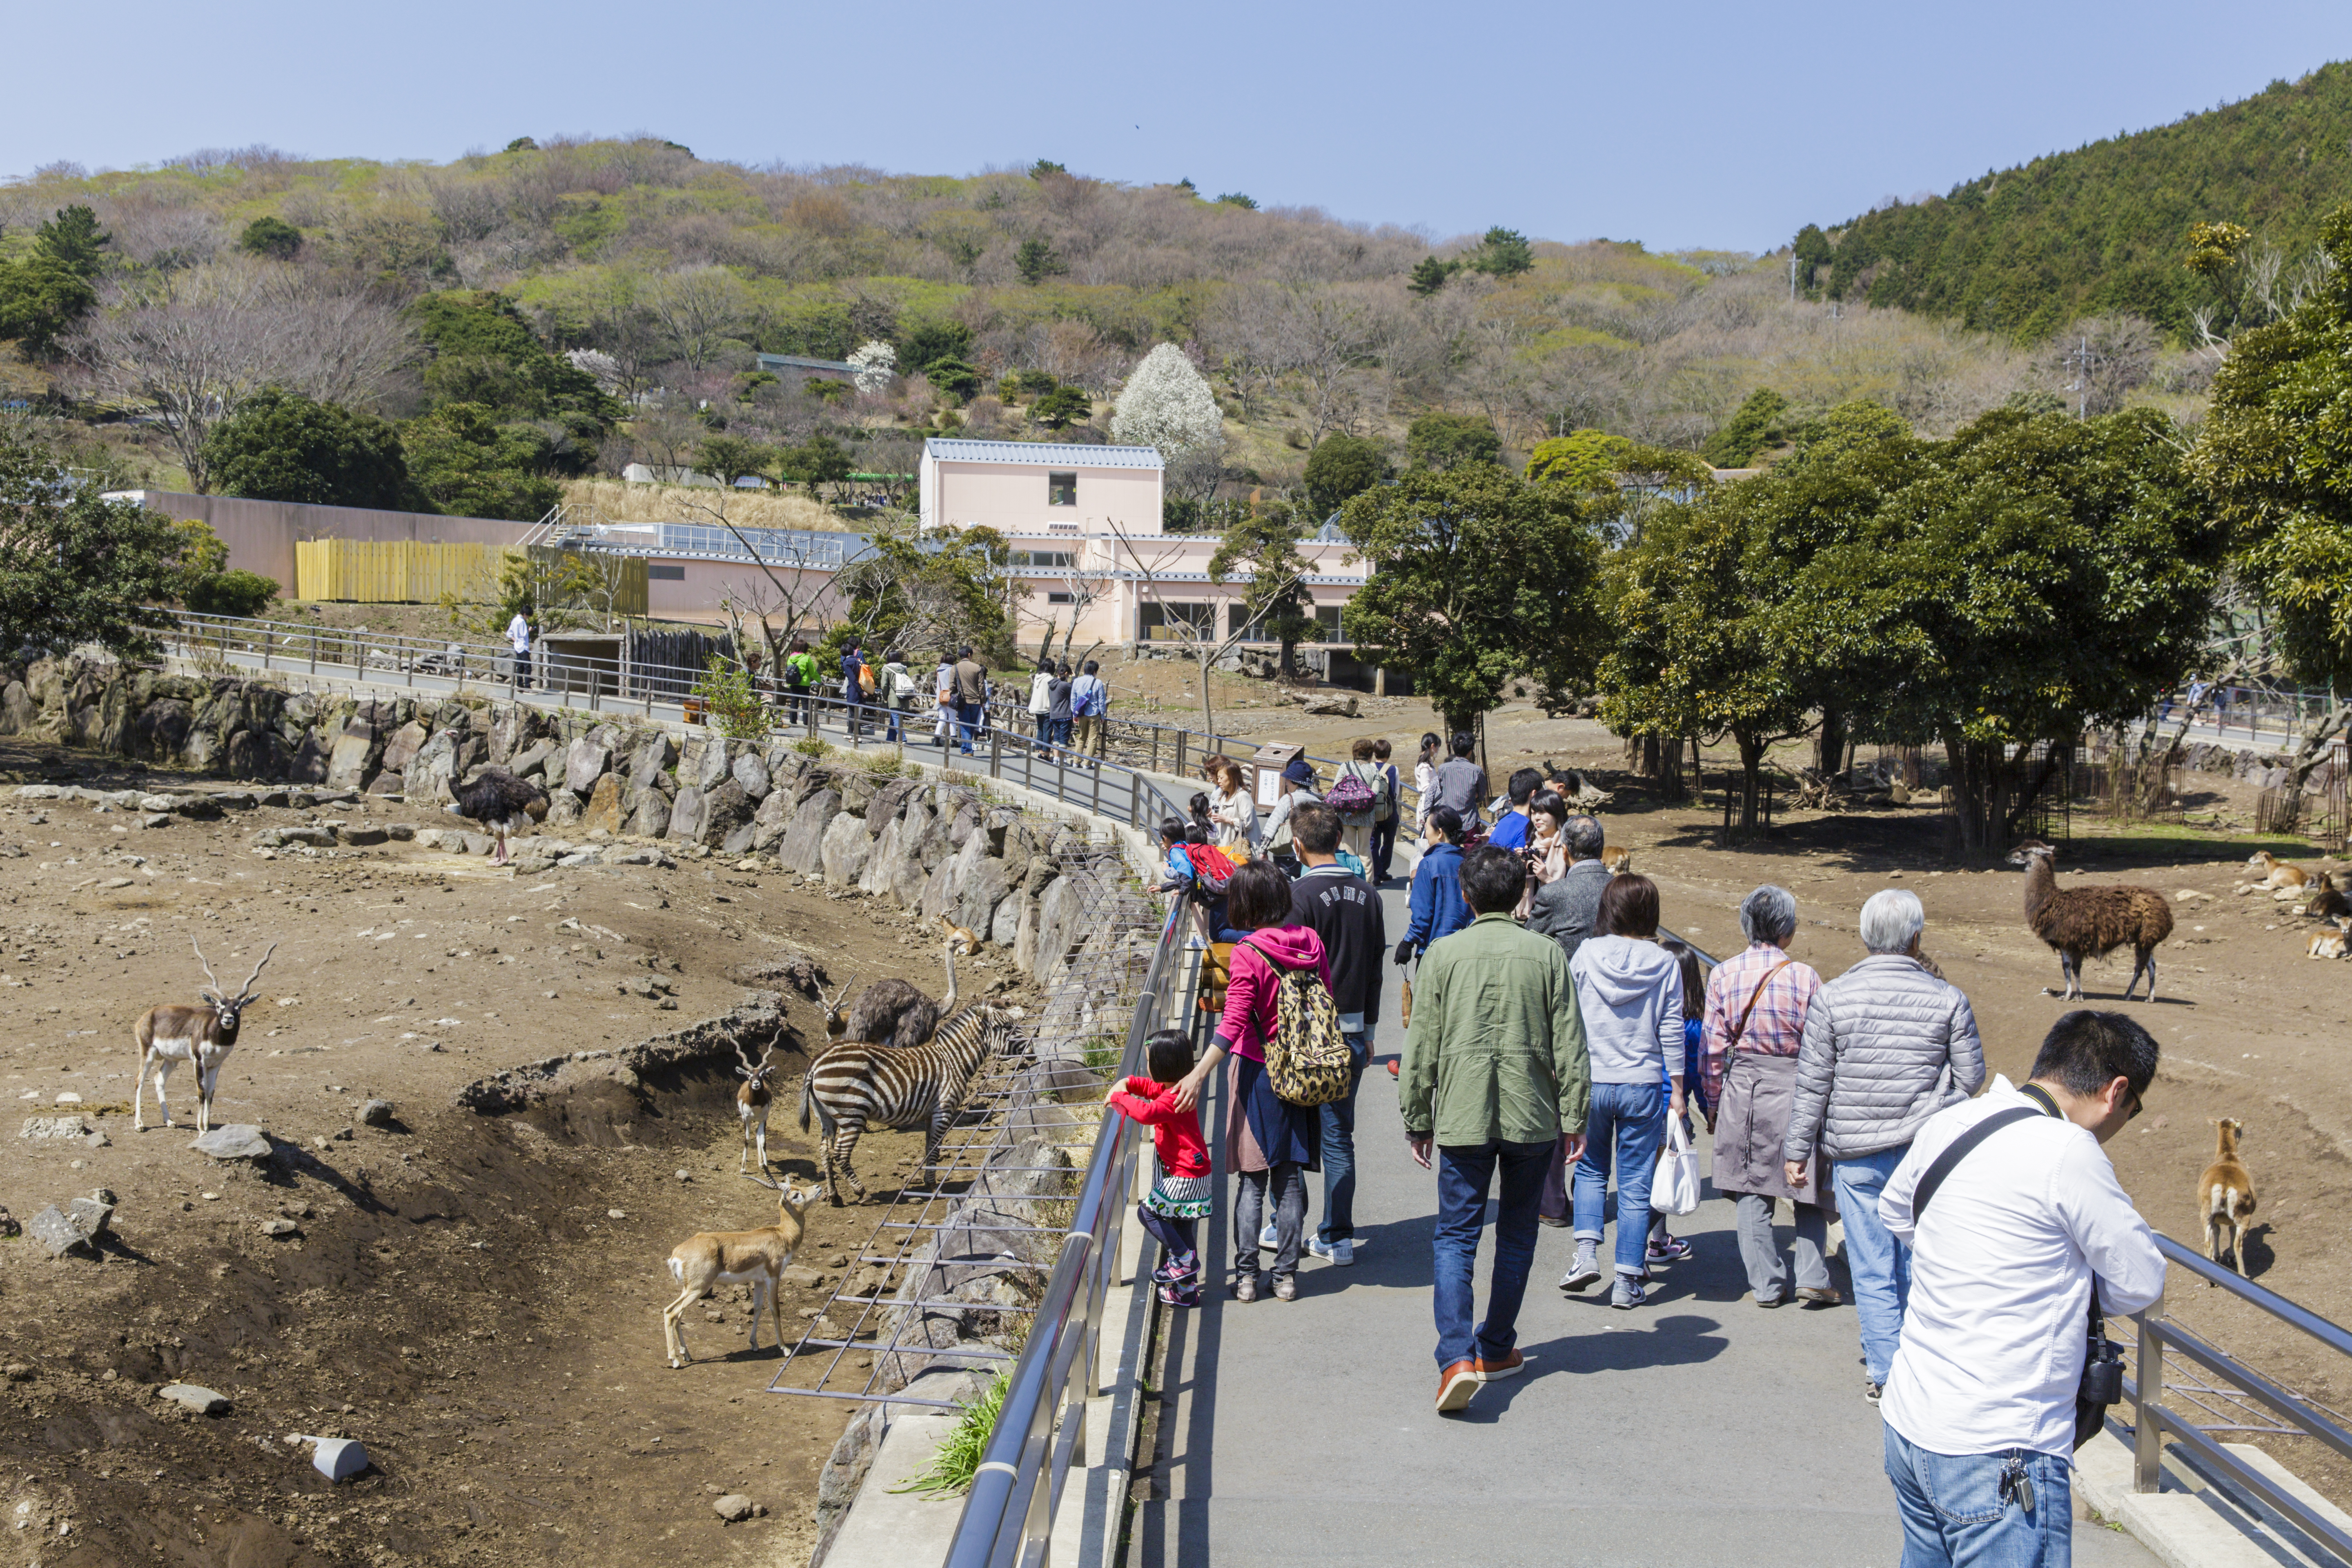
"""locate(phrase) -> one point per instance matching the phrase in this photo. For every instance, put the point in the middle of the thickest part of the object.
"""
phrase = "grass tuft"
(951, 1470)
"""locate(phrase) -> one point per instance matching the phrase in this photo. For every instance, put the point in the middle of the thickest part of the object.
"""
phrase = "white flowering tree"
(875, 364)
(1167, 403)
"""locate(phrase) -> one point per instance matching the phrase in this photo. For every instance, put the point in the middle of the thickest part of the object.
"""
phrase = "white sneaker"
(1266, 1238)
(1340, 1254)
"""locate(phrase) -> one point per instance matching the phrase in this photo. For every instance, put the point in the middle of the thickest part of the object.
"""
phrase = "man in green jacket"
(1495, 1072)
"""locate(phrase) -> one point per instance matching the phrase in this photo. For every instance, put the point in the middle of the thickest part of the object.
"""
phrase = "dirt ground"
(475, 1298)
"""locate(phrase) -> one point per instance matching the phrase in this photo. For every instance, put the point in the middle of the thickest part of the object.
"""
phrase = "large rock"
(604, 806)
(585, 763)
(888, 802)
(987, 882)
(355, 752)
(706, 760)
(775, 814)
(846, 850)
(801, 846)
(1057, 926)
(940, 890)
(79, 1224)
(511, 730)
(1004, 927)
(654, 754)
(238, 1141)
(752, 776)
(727, 813)
(686, 814)
(195, 1398)
(429, 774)
(401, 749)
(649, 812)
(532, 761)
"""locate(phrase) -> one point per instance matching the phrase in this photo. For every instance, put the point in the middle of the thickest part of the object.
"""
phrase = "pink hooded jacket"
(1249, 999)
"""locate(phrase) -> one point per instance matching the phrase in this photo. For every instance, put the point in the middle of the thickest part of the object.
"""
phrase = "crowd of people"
(1555, 1032)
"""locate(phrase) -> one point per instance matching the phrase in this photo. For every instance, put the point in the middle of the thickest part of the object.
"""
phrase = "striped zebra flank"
(858, 1084)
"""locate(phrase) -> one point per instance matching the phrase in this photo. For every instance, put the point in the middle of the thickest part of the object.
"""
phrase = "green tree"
(818, 462)
(1475, 579)
(271, 236)
(1236, 199)
(1429, 275)
(1061, 407)
(282, 445)
(2273, 455)
(75, 568)
(72, 240)
(1756, 424)
(930, 341)
(954, 377)
(484, 353)
(1035, 261)
(54, 286)
(729, 457)
(1263, 550)
(1044, 166)
(1503, 253)
(2039, 577)
(1440, 440)
(927, 591)
(1342, 468)
(1813, 251)
(468, 466)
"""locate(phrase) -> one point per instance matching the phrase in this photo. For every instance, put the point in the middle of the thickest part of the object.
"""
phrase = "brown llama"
(2091, 922)
(2226, 1194)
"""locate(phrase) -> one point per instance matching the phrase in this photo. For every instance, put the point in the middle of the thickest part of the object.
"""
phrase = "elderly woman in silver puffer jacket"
(1887, 1044)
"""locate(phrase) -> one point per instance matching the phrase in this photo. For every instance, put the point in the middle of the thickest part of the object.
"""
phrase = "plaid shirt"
(1776, 1027)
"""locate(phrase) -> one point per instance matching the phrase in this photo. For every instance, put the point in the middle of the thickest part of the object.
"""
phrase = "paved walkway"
(1697, 1430)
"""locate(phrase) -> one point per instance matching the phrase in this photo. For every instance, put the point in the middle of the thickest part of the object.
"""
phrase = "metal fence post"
(1178, 768)
(995, 753)
(2147, 1435)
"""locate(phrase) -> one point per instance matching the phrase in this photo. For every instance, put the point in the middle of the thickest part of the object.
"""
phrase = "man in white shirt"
(1979, 1402)
(518, 637)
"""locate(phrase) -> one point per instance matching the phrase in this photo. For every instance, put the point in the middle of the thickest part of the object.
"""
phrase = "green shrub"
(236, 593)
(730, 703)
(271, 236)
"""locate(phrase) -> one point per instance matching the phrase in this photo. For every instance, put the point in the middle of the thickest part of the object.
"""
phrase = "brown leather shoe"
(1510, 1365)
(1456, 1386)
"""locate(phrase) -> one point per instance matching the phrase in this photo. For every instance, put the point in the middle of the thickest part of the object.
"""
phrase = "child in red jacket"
(1183, 1194)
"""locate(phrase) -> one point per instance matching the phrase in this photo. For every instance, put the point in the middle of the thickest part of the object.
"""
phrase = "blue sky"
(1699, 124)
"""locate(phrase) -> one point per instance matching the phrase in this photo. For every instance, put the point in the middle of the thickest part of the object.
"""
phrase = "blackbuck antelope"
(836, 1015)
(753, 1258)
(752, 1102)
(203, 1037)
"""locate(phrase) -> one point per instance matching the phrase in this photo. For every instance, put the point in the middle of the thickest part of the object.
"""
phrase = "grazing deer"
(2226, 1193)
(753, 1258)
(201, 1036)
(752, 1101)
(1618, 862)
(961, 939)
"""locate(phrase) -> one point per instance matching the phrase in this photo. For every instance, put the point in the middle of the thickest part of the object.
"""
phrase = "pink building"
(1084, 526)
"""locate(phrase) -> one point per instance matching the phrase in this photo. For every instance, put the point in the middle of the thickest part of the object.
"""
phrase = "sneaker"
(1340, 1254)
(1456, 1386)
(1176, 1268)
(1180, 1295)
(1246, 1288)
(1510, 1365)
(1668, 1250)
(1818, 1296)
(1585, 1272)
(1285, 1288)
(1268, 1238)
(1768, 1302)
(1562, 1223)
(1628, 1293)
(1871, 1391)
(1393, 1067)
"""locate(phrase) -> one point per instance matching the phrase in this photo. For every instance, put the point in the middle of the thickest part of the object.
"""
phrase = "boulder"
(706, 760)
(654, 754)
(584, 764)
(1057, 926)
(987, 882)
(375, 1113)
(201, 1400)
(353, 756)
(735, 1507)
(604, 806)
(511, 730)
(649, 812)
(857, 791)
(1004, 927)
(726, 811)
(79, 1224)
(845, 850)
(940, 890)
(238, 1141)
(888, 802)
(752, 776)
(533, 760)
(685, 816)
(775, 814)
(401, 749)
(801, 846)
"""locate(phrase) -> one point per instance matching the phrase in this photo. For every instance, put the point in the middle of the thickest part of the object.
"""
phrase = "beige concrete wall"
(1011, 499)
(261, 534)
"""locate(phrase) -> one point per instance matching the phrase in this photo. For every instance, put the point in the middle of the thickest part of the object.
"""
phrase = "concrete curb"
(2198, 1521)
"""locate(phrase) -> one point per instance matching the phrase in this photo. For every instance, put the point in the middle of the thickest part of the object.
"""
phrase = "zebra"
(856, 1084)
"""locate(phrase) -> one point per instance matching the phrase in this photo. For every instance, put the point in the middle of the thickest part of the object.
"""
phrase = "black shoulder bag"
(2103, 1359)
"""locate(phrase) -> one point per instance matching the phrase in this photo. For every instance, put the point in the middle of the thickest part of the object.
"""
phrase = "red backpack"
(1213, 869)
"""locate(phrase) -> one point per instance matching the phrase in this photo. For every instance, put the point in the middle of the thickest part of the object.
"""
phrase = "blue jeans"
(1045, 730)
(1954, 1515)
(1464, 1174)
(968, 720)
(1339, 1151)
(1881, 1266)
(1628, 1120)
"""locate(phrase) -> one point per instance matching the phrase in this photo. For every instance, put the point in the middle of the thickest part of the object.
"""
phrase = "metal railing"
(1041, 1431)
(2154, 1420)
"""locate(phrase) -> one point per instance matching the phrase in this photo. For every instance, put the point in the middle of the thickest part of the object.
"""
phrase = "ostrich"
(894, 1013)
(501, 803)
(2091, 922)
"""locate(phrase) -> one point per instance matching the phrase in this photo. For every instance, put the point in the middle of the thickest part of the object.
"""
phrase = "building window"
(1326, 624)
(1174, 622)
(666, 573)
(1050, 560)
(1061, 598)
(1061, 489)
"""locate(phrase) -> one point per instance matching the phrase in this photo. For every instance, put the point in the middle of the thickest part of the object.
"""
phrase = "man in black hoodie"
(1342, 909)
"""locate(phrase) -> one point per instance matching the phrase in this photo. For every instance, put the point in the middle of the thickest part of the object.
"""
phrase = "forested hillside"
(2100, 230)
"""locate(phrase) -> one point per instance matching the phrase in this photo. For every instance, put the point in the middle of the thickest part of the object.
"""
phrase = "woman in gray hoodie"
(1630, 992)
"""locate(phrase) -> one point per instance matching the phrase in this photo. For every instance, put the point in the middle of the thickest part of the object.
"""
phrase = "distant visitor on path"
(519, 638)
(2020, 1237)
(1495, 1072)
(1460, 784)
(1755, 1025)
(1887, 1045)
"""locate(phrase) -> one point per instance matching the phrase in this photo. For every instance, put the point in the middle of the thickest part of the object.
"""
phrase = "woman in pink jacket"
(1270, 1143)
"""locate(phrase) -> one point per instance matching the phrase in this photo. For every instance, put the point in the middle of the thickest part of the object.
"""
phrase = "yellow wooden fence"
(397, 572)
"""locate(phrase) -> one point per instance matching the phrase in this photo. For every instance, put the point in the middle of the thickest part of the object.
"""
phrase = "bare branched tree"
(1192, 623)
(700, 310)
